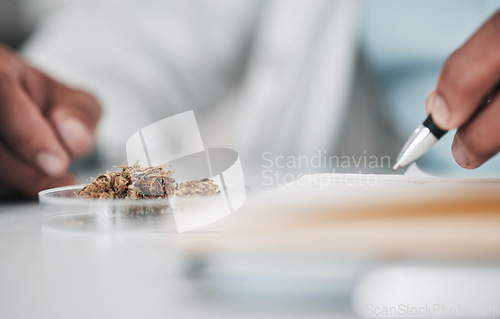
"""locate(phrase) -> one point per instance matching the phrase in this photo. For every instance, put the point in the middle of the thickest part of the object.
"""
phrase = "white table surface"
(47, 273)
(53, 273)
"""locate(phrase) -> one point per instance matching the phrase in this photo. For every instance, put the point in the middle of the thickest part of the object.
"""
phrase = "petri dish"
(61, 208)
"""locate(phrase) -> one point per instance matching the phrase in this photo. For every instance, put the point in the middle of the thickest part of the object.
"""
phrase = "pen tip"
(395, 167)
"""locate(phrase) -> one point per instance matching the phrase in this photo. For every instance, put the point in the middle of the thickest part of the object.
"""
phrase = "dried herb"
(204, 187)
(136, 182)
(133, 182)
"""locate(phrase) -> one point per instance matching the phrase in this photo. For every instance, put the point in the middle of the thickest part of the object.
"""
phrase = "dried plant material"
(133, 182)
(136, 182)
(204, 187)
(151, 182)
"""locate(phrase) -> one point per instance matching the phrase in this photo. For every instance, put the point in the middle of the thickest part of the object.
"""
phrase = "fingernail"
(427, 101)
(75, 135)
(50, 164)
(439, 110)
(459, 154)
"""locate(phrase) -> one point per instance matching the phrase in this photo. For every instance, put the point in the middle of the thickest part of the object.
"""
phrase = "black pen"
(428, 133)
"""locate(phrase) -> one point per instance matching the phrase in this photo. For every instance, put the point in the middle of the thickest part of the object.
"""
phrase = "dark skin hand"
(43, 126)
(468, 75)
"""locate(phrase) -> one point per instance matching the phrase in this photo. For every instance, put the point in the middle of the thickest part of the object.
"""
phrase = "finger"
(25, 131)
(467, 76)
(17, 177)
(427, 101)
(73, 113)
(479, 139)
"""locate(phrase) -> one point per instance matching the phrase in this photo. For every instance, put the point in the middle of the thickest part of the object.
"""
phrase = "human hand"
(43, 125)
(467, 77)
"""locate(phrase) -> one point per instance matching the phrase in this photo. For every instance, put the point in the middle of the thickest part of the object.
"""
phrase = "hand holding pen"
(464, 99)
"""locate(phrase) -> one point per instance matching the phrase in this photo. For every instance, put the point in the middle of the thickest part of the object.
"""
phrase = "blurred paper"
(310, 241)
(414, 170)
(369, 215)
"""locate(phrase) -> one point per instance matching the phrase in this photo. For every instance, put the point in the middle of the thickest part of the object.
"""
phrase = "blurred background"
(399, 48)
(18, 18)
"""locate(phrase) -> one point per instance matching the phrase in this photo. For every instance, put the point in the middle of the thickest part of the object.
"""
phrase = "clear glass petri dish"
(61, 208)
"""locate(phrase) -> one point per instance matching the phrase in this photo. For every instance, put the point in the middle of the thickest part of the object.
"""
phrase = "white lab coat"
(287, 64)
